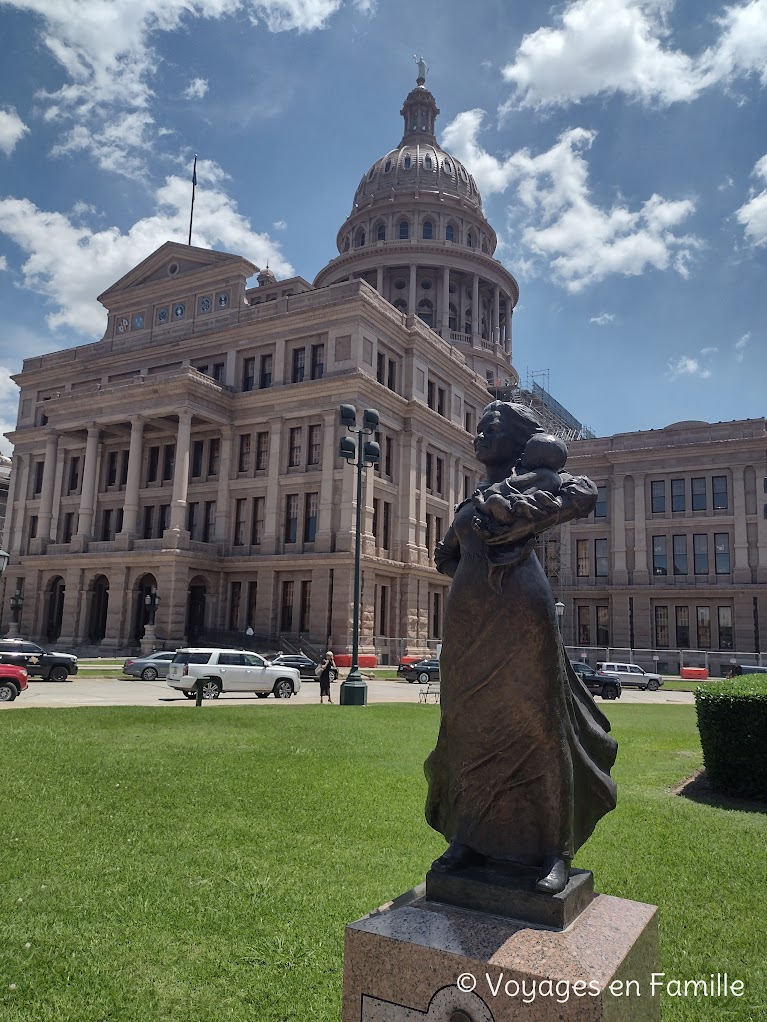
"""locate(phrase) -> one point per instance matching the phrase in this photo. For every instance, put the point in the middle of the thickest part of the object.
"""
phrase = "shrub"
(732, 721)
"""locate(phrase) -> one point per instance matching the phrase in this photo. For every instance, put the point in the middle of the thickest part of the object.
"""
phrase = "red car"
(13, 680)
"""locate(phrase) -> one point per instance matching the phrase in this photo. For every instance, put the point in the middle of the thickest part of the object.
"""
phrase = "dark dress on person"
(521, 767)
(325, 679)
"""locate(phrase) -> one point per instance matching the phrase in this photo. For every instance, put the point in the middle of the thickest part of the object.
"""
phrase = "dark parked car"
(424, 671)
(13, 681)
(738, 670)
(303, 664)
(605, 685)
(38, 661)
(154, 665)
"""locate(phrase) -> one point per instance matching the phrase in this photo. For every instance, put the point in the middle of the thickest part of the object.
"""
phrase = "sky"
(620, 147)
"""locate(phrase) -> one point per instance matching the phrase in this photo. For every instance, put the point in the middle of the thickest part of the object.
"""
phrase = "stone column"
(230, 369)
(740, 568)
(16, 463)
(411, 304)
(496, 315)
(446, 302)
(223, 499)
(181, 472)
(475, 320)
(133, 482)
(617, 518)
(641, 570)
(272, 539)
(323, 541)
(380, 280)
(45, 512)
(88, 491)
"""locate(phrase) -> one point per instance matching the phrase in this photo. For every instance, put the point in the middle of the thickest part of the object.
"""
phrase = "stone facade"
(674, 561)
(192, 451)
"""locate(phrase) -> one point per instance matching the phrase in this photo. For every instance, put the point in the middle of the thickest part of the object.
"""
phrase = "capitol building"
(192, 453)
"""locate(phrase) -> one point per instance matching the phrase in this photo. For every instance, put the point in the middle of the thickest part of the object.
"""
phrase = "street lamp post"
(151, 602)
(4, 559)
(17, 603)
(354, 689)
(559, 607)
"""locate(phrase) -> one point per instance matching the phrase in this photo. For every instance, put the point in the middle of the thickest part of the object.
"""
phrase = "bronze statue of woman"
(521, 769)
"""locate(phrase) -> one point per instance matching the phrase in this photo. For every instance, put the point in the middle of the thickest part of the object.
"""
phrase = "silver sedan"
(151, 666)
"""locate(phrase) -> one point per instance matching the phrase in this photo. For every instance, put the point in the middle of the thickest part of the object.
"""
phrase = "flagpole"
(194, 184)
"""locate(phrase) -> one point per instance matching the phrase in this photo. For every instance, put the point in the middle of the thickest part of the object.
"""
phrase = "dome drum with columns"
(418, 235)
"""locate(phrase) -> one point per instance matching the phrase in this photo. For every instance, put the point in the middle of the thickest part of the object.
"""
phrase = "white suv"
(631, 674)
(230, 670)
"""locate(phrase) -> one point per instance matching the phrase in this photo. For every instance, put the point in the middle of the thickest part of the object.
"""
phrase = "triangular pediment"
(172, 261)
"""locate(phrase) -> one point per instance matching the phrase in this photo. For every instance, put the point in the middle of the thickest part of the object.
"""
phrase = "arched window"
(428, 163)
(406, 163)
(360, 237)
(470, 240)
(467, 321)
(400, 305)
(426, 311)
(428, 230)
(448, 166)
(381, 232)
(450, 233)
(453, 318)
(404, 230)
(387, 166)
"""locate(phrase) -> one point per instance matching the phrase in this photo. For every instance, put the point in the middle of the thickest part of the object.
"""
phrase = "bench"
(431, 690)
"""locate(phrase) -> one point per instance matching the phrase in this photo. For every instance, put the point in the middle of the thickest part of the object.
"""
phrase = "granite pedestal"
(419, 959)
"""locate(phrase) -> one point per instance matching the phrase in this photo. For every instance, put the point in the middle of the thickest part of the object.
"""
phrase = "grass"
(200, 866)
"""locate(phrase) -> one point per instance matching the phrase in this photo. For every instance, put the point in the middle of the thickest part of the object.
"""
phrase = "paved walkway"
(135, 692)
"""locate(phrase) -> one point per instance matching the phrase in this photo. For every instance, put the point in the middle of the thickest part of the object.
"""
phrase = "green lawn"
(196, 866)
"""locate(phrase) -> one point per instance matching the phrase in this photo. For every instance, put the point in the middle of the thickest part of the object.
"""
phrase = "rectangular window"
(153, 464)
(311, 511)
(306, 606)
(469, 420)
(377, 520)
(119, 516)
(262, 451)
(582, 569)
(243, 456)
(703, 615)
(196, 460)
(726, 638)
(248, 373)
(33, 526)
(603, 629)
(235, 592)
(436, 616)
(239, 522)
(429, 469)
(124, 468)
(659, 556)
(658, 496)
(192, 510)
(388, 447)
(383, 610)
(682, 615)
(430, 394)
(440, 475)
(163, 518)
(106, 524)
(37, 483)
(380, 367)
(286, 615)
(466, 486)
(74, 474)
(209, 522)
(429, 533)
(314, 442)
(148, 524)
(265, 378)
(299, 361)
(378, 440)
(294, 447)
(700, 554)
(250, 617)
(214, 455)
(719, 493)
(257, 524)
(438, 529)
(68, 527)
(217, 373)
(318, 361)
(584, 627)
(722, 553)
(600, 509)
(291, 517)
(661, 627)
(698, 487)
(680, 555)
(168, 461)
(386, 538)
(391, 374)
(678, 495)
(441, 400)
(601, 559)
(112, 468)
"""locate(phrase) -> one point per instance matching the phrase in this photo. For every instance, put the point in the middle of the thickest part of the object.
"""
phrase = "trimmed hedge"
(732, 721)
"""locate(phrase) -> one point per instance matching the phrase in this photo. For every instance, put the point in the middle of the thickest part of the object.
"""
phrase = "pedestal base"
(148, 640)
(417, 960)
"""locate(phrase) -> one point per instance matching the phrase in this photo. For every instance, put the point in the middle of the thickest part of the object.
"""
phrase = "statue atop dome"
(423, 69)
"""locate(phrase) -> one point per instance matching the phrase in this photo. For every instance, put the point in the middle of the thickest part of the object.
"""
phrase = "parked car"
(631, 674)
(406, 663)
(423, 671)
(230, 670)
(151, 666)
(38, 662)
(13, 681)
(303, 664)
(607, 686)
(740, 669)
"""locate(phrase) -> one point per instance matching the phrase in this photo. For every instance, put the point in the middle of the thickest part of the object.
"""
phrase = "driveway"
(135, 692)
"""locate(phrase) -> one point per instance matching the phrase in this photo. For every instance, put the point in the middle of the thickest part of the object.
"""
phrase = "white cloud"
(725, 185)
(603, 318)
(753, 214)
(557, 219)
(687, 366)
(366, 6)
(196, 89)
(69, 262)
(280, 225)
(708, 351)
(8, 388)
(600, 47)
(12, 129)
(3, 263)
(740, 346)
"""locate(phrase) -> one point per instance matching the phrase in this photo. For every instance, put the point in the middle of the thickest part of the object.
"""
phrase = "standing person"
(326, 667)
